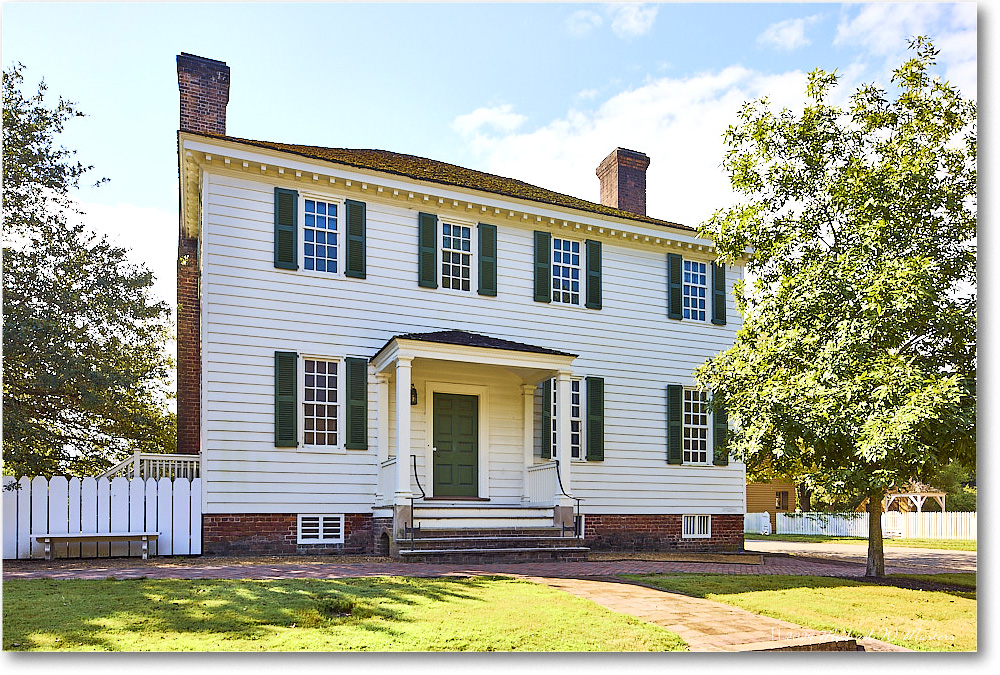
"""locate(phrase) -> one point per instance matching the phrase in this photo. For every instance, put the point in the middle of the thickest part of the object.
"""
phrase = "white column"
(563, 412)
(403, 461)
(382, 418)
(528, 439)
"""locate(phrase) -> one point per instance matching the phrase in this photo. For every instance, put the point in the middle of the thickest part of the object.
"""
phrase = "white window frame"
(341, 233)
(709, 420)
(696, 526)
(553, 424)
(473, 254)
(341, 407)
(581, 293)
(321, 522)
(685, 284)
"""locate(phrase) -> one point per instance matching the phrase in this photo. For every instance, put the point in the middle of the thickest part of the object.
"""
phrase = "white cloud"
(582, 22)
(499, 118)
(883, 30)
(788, 34)
(631, 20)
(677, 122)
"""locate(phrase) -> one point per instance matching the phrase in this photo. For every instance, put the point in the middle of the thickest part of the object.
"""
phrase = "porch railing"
(156, 465)
(387, 480)
(542, 484)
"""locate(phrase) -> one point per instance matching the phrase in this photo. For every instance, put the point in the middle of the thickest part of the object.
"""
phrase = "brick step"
(488, 542)
(492, 555)
(809, 643)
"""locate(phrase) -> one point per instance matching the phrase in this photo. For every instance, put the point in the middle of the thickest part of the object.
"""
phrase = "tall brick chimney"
(204, 94)
(623, 180)
(204, 86)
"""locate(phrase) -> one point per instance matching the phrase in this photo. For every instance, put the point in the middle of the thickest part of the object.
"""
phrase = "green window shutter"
(356, 224)
(286, 244)
(286, 432)
(487, 259)
(675, 423)
(547, 419)
(357, 404)
(675, 286)
(718, 293)
(543, 267)
(595, 419)
(593, 274)
(720, 434)
(427, 250)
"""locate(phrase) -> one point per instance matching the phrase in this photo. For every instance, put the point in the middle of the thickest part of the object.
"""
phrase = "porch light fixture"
(413, 395)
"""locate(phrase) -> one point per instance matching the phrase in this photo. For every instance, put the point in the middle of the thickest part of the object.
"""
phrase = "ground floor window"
(320, 405)
(320, 529)
(575, 420)
(781, 500)
(696, 426)
(697, 527)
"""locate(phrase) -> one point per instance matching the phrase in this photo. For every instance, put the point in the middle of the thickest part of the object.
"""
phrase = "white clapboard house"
(381, 352)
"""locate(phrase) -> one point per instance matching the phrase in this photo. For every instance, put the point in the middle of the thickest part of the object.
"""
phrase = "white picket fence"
(930, 525)
(170, 507)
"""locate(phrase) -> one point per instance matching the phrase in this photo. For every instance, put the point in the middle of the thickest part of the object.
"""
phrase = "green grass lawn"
(945, 544)
(921, 620)
(372, 614)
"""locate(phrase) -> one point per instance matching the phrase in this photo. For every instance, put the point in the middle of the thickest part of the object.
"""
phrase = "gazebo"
(909, 498)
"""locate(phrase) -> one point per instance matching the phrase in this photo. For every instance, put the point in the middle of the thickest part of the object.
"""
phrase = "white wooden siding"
(251, 309)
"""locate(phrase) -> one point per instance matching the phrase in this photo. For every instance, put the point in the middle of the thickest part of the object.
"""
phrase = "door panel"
(456, 438)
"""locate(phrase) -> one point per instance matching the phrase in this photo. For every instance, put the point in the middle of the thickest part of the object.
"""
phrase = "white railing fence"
(541, 488)
(932, 525)
(756, 523)
(170, 507)
(156, 465)
(387, 481)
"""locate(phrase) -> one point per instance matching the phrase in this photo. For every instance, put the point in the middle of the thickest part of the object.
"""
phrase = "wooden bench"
(50, 538)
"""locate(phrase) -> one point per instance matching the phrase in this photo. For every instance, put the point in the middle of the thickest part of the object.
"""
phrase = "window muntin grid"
(456, 256)
(320, 403)
(695, 290)
(319, 233)
(695, 426)
(565, 271)
(575, 420)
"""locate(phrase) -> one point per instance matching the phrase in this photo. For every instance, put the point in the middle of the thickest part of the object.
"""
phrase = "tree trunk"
(805, 497)
(875, 566)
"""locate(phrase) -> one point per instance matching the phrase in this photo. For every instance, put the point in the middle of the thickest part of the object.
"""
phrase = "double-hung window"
(575, 419)
(566, 270)
(695, 290)
(321, 402)
(696, 428)
(320, 235)
(456, 256)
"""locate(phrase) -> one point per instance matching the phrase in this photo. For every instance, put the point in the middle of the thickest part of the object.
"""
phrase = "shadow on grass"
(79, 611)
(704, 585)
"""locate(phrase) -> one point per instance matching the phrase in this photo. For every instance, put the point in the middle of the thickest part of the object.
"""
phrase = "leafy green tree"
(85, 375)
(855, 366)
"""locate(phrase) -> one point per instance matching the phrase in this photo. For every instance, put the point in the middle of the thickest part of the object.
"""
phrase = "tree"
(84, 372)
(855, 366)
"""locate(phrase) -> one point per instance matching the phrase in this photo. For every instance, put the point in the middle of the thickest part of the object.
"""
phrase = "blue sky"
(539, 92)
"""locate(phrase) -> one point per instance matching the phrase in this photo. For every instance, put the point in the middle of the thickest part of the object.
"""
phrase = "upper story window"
(565, 271)
(696, 435)
(575, 419)
(456, 256)
(321, 409)
(695, 290)
(320, 236)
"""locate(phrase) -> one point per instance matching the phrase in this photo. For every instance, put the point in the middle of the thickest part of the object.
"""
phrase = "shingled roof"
(466, 339)
(433, 171)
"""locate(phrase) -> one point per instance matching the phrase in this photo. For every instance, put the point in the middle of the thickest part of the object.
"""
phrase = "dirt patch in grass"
(912, 583)
(673, 556)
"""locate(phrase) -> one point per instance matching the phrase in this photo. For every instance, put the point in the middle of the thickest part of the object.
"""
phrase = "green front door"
(456, 439)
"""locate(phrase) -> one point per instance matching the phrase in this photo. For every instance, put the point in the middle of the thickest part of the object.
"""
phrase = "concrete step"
(480, 522)
(486, 542)
(491, 555)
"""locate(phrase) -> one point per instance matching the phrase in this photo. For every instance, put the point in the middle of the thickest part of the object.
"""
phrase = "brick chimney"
(204, 87)
(623, 180)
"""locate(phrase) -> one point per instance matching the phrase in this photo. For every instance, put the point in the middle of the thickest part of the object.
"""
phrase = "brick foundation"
(659, 533)
(275, 534)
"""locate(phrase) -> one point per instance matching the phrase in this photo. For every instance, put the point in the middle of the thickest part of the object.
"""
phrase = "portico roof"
(530, 361)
